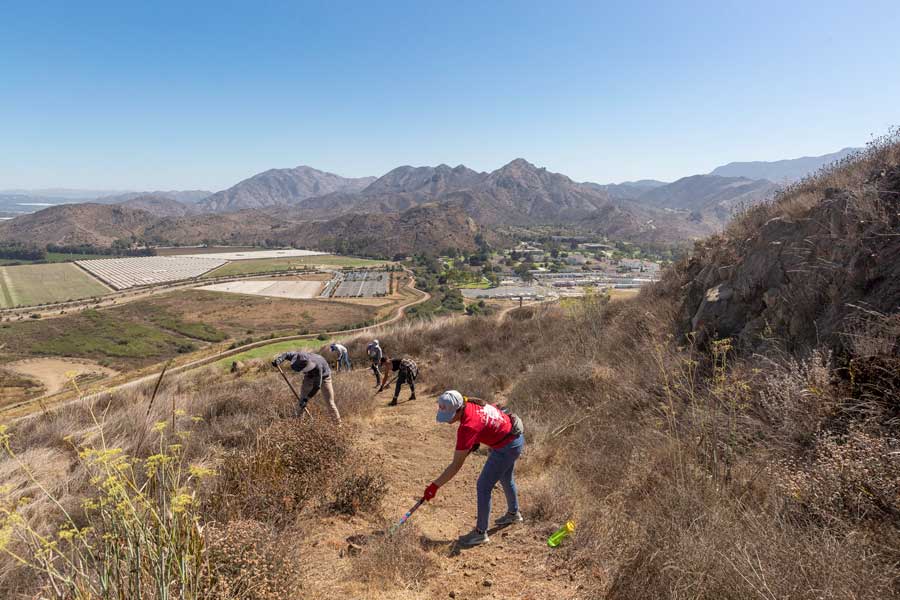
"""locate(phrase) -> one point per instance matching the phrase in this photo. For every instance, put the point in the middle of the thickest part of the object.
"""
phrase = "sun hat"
(448, 403)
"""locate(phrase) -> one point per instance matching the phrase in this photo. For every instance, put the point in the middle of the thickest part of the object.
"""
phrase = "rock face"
(803, 272)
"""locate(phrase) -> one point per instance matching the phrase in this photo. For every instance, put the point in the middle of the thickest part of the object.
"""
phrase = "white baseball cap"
(448, 403)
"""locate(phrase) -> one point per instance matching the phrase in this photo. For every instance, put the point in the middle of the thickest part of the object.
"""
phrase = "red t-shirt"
(483, 425)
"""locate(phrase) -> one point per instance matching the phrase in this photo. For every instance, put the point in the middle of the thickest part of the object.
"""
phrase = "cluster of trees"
(32, 253)
(118, 248)
(19, 252)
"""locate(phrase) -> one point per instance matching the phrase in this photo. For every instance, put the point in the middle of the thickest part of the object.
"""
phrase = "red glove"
(430, 491)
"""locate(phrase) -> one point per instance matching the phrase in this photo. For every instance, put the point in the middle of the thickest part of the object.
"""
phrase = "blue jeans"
(499, 467)
(344, 362)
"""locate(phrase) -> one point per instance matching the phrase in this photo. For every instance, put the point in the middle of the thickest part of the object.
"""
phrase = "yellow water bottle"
(560, 534)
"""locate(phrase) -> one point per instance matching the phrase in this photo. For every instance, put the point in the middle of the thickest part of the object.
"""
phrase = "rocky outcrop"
(799, 272)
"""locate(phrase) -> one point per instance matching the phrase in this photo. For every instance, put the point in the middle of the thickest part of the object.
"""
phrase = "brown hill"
(72, 224)
(708, 196)
(160, 205)
(281, 186)
(428, 182)
(426, 228)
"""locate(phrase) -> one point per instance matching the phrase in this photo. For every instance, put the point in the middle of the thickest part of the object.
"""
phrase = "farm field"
(124, 273)
(270, 350)
(181, 251)
(146, 332)
(52, 257)
(26, 285)
(269, 265)
(258, 253)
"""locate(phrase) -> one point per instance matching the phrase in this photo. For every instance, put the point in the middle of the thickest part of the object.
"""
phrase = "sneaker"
(413, 397)
(509, 519)
(474, 538)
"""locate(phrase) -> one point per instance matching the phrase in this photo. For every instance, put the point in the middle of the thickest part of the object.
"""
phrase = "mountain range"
(783, 171)
(305, 206)
(280, 186)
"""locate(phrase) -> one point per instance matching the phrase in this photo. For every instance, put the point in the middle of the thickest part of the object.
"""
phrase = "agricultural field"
(124, 273)
(52, 257)
(181, 251)
(27, 285)
(270, 265)
(149, 331)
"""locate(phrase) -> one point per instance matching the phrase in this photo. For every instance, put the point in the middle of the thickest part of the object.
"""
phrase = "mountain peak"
(519, 163)
(281, 186)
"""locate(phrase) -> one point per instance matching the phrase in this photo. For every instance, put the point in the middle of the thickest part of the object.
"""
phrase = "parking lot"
(362, 284)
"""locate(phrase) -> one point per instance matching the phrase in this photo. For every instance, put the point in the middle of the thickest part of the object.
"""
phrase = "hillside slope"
(750, 451)
(280, 186)
(825, 250)
(708, 196)
(74, 224)
(783, 171)
(160, 205)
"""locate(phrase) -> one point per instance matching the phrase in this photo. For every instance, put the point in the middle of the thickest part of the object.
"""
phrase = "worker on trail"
(406, 370)
(375, 354)
(482, 423)
(316, 376)
(343, 360)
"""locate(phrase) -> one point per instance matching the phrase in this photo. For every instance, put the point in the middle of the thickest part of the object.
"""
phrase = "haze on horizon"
(165, 96)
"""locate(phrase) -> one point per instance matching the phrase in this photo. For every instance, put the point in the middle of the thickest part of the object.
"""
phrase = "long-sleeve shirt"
(340, 349)
(375, 353)
(313, 366)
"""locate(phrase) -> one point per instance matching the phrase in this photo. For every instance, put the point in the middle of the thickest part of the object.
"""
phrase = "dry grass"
(397, 560)
(253, 561)
(673, 458)
(269, 466)
(694, 468)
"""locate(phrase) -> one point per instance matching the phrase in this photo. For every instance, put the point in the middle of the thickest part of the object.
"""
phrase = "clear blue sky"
(163, 95)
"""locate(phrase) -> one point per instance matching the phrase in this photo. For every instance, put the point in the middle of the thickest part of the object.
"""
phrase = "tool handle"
(408, 514)
(296, 395)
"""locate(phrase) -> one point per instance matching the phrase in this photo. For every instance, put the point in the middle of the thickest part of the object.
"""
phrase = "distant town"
(555, 268)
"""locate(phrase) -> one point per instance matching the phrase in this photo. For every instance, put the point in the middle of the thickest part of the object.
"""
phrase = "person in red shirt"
(482, 423)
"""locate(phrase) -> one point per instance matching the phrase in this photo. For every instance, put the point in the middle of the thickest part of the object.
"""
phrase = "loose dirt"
(56, 373)
(269, 287)
(413, 449)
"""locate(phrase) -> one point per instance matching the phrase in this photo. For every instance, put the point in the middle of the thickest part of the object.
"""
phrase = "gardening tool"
(560, 534)
(387, 385)
(296, 395)
(408, 514)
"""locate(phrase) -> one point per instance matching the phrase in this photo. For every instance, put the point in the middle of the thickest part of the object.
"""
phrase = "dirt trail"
(413, 449)
(56, 373)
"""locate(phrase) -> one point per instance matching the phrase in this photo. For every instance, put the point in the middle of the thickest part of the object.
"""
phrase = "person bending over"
(316, 376)
(482, 423)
